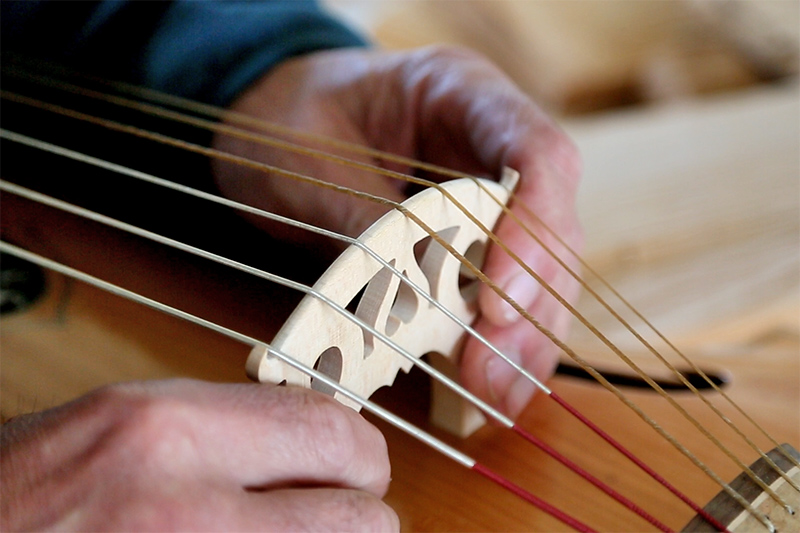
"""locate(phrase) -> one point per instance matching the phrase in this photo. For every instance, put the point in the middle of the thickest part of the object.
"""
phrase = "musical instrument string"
(21, 191)
(484, 279)
(272, 170)
(284, 145)
(100, 218)
(277, 143)
(78, 115)
(656, 478)
(277, 129)
(244, 120)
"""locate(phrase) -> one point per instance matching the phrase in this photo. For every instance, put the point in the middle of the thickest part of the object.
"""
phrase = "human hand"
(188, 455)
(452, 108)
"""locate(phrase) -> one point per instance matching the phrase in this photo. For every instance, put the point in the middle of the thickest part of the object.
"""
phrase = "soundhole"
(328, 363)
(21, 284)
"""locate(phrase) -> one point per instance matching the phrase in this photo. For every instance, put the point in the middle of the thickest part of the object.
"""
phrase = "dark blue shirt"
(204, 50)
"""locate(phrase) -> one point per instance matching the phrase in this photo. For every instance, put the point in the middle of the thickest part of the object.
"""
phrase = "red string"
(591, 479)
(527, 496)
(638, 462)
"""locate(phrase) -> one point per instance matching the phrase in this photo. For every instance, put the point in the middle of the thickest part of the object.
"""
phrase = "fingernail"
(500, 374)
(523, 289)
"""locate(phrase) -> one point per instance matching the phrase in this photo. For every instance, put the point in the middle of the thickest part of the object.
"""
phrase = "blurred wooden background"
(577, 57)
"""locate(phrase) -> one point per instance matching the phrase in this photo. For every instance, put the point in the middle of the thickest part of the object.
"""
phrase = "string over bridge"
(384, 295)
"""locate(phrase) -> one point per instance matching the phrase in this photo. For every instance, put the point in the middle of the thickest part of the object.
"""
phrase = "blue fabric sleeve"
(204, 50)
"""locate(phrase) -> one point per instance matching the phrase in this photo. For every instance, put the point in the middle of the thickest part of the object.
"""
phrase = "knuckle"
(332, 430)
(347, 445)
(446, 53)
(444, 62)
(144, 427)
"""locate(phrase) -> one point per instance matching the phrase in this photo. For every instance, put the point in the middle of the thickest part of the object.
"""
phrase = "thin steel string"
(377, 410)
(221, 114)
(618, 352)
(354, 242)
(563, 302)
(160, 112)
(284, 145)
(305, 289)
(43, 199)
(77, 156)
(385, 172)
(214, 153)
(264, 167)
(163, 113)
